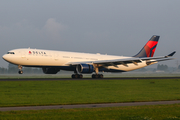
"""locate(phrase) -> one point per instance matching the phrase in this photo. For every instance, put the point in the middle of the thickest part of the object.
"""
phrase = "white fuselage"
(41, 58)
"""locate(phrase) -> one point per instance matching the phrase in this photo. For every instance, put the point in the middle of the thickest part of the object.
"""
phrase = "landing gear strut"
(97, 71)
(20, 69)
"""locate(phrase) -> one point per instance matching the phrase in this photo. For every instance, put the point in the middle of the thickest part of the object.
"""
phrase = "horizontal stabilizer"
(170, 55)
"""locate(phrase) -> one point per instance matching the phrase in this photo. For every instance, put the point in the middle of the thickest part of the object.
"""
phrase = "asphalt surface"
(114, 78)
(88, 105)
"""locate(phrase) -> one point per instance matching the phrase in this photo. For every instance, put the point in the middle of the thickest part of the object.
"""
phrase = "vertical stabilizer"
(149, 49)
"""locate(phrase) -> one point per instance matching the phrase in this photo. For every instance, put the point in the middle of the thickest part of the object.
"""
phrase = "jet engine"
(85, 68)
(50, 70)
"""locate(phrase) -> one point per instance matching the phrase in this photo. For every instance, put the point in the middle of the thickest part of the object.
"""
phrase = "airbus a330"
(52, 62)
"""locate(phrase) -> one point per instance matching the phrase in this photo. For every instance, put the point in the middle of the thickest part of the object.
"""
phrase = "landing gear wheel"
(93, 75)
(96, 76)
(20, 69)
(72, 76)
(20, 72)
(100, 75)
(80, 76)
(76, 76)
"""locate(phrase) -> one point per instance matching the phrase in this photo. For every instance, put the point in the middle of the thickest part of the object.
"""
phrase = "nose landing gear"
(20, 72)
(20, 69)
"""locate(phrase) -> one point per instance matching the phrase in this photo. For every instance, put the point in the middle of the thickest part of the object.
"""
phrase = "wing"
(125, 62)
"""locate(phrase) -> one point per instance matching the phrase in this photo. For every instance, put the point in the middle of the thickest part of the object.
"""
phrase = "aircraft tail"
(149, 49)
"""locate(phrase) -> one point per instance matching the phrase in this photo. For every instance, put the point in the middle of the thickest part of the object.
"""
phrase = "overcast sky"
(115, 27)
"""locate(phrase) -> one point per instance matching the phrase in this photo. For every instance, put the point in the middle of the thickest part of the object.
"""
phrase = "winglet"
(170, 55)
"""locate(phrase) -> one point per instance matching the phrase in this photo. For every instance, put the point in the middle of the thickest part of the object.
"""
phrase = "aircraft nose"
(4, 57)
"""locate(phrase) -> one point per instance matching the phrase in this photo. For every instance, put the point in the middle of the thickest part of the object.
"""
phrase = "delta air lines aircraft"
(52, 62)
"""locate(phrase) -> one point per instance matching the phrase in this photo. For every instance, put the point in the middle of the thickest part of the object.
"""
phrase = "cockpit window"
(10, 53)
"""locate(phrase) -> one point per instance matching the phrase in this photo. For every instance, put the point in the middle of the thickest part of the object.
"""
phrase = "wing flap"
(116, 62)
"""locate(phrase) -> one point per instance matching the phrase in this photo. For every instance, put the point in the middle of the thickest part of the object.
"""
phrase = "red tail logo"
(149, 49)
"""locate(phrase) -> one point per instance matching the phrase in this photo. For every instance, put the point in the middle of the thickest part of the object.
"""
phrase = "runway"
(88, 105)
(114, 78)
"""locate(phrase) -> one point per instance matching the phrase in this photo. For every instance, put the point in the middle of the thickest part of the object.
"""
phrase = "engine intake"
(50, 70)
(85, 68)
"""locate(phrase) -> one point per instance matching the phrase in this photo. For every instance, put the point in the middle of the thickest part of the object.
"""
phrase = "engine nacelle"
(50, 70)
(85, 68)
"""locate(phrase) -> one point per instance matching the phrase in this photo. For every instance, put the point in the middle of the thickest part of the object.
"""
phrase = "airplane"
(52, 62)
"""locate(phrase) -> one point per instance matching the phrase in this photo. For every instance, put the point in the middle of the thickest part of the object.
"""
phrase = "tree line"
(162, 67)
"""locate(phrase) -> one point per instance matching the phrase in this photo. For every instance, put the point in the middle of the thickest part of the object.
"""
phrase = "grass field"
(27, 93)
(158, 112)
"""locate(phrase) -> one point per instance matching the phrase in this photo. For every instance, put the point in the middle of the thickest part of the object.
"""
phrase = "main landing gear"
(97, 75)
(94, 76)
(81, 76)
(97, 71)
(20, 69)
(77, 76)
